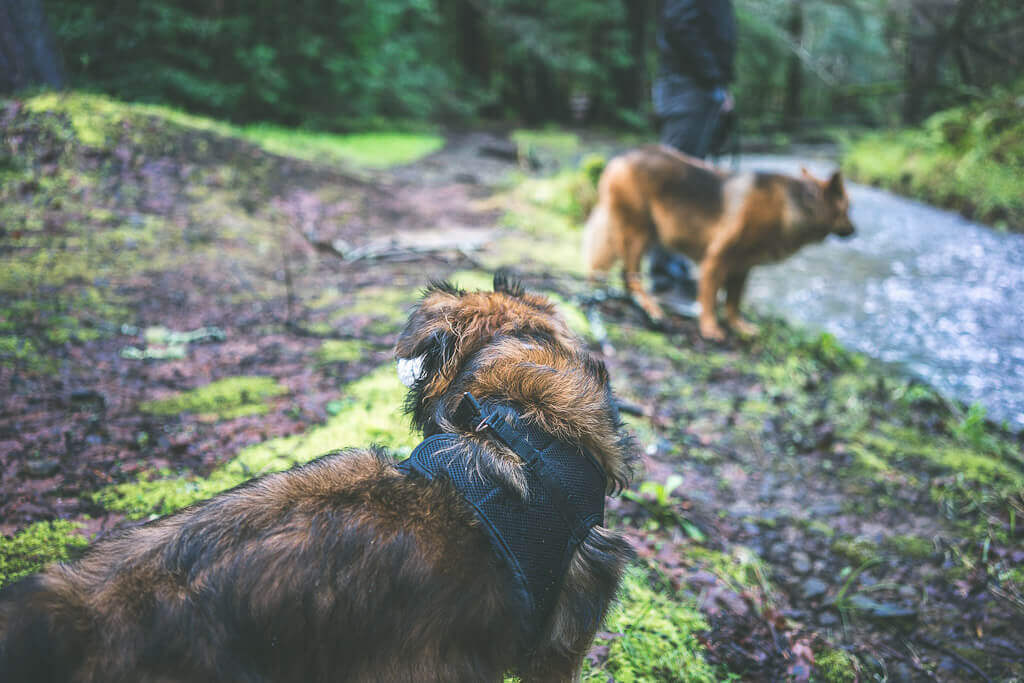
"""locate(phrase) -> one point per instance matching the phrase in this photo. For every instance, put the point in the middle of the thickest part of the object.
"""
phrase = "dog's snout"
(845, 230)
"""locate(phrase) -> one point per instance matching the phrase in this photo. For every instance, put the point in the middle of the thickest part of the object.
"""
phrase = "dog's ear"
(433, 343)
(805, 174)
(834, 188)
(505, 283)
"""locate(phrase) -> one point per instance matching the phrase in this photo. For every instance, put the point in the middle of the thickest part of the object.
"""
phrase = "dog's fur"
(726, 223)
(343, 569)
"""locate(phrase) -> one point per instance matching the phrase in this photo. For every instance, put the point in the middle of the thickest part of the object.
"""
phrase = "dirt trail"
(818, 514)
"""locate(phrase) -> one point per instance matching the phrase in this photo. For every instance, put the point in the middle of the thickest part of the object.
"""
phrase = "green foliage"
(651, 635)
(372, 150)
(35, 546)
(227, 398)
(969, 158)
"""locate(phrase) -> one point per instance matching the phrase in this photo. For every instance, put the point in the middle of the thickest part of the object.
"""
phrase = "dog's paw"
(744, 328)
(711, 331)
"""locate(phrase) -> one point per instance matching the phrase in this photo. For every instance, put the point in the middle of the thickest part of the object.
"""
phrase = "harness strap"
(535, 537)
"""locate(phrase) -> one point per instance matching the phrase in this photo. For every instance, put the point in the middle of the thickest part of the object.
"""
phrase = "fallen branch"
(393, 250)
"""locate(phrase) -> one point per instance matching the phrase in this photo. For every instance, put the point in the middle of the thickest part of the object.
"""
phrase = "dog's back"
(42, 638)
(652, 193)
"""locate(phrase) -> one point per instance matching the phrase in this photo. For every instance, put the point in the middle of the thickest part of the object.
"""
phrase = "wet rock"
(907, 592)
(814, 588)
(801, 562)
(42, 467)
(882, 611)
(899, 672)
(828, 619)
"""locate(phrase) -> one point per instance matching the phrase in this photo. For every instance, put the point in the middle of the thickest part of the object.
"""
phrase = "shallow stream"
(917, 286)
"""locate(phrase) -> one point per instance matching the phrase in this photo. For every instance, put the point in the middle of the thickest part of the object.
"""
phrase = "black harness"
(536, 538)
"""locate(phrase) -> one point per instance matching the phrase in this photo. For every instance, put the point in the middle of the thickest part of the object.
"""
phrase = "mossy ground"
(225, 398)
(36, 546)
(786, 481)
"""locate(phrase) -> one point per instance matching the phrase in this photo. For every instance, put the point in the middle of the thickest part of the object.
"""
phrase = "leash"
(536, 537)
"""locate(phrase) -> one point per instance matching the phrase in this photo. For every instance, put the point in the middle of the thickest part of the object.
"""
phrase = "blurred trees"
(342, 63)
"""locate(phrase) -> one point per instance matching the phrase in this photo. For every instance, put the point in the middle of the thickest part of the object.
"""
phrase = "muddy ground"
(828, 516)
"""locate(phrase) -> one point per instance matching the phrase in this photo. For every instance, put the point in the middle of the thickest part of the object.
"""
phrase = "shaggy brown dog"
(726, 223)
(346, 569)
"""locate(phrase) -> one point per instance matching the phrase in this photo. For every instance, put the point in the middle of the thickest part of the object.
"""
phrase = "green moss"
(652, 636)
(372, 150)
(227, 398)
(857, 550)
(94, 116)
(896, 443)
(914, 547)
(370, 411)
(341, 351)
(94, 119)
(835, 666)
(550, 140)
(387, 307)
(20, 352)
(36, 546)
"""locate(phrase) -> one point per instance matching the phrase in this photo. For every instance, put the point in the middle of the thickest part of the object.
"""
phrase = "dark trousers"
(689, 116)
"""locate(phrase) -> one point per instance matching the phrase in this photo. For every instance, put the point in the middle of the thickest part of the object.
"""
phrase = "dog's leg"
(711, 276)
(634, 249)
(734, 285)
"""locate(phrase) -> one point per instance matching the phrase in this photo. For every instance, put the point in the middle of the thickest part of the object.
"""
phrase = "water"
(917, 286)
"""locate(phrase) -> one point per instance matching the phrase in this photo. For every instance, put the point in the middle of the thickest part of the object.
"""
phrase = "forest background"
(351, 64)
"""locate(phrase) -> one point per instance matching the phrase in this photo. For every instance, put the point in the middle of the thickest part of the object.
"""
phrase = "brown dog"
(348, 568)
(726, 223)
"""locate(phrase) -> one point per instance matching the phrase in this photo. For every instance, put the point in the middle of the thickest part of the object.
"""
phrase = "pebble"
(801, 562)
(814, 588)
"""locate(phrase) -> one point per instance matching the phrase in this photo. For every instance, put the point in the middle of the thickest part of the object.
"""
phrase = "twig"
(631, 408)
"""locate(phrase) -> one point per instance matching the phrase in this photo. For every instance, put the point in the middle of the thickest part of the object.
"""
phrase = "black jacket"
(697, 39)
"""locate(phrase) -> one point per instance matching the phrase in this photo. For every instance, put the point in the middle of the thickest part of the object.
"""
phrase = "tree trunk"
(27, 52)
(471, 46)
(632, 82)
(792, 110)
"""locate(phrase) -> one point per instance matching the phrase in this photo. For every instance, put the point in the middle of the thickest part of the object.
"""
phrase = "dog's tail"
(600, 251)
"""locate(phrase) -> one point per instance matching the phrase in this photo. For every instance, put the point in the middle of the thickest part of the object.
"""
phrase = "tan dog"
(725, 223)
(350, 568)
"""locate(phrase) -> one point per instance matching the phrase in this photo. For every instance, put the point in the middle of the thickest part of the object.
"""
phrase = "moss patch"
(386, 307)
(95, 119)
(370, 411)
(549, 140)
(836, 666)
(36, 546)
(340, 351)
(651, 636)
(227, 398)
(371, 150)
